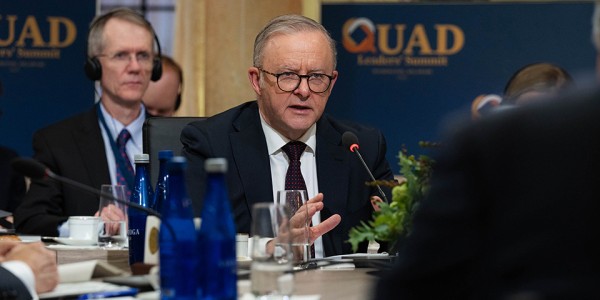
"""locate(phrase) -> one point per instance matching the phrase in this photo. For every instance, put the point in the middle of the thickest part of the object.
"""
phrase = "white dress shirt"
(24, 273)
(308, 165)
(134, 144)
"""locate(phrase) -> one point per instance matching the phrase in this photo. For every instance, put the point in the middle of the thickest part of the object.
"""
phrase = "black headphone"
(93, 68)
(178, 99)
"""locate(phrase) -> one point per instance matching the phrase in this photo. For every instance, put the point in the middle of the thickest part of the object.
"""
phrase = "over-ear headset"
(178, 99)
(93, 68)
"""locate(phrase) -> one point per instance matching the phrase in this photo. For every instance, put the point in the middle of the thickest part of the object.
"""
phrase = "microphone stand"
(355, 150)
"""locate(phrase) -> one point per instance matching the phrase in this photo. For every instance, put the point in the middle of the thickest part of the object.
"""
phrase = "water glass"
(113, 218)
(272, 259)
(295, 200)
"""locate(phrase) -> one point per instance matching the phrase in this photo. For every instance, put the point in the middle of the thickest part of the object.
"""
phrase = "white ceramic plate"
(74, 242)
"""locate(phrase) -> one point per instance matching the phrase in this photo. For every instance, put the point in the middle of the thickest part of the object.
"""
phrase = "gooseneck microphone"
(36, 170)
(350, 141)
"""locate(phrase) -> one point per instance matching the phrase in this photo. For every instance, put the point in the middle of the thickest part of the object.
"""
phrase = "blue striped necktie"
(122, 139)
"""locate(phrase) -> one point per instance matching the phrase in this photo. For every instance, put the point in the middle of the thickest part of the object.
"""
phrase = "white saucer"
(75, 242)
(243, 261)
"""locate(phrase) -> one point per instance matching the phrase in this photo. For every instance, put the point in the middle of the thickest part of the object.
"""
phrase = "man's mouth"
(299, 107)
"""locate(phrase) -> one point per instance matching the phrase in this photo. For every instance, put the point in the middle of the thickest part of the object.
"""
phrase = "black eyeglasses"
(290, 81)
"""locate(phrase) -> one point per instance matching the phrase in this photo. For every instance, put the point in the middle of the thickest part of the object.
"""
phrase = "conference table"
(336, 284)
(322, 283)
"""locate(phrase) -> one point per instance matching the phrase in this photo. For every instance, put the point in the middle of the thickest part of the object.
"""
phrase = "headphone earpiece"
(156, 66)
(93, 68)
(178, 101)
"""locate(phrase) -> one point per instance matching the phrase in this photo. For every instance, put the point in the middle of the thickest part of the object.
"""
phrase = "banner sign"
(42, 52)
(408, 68)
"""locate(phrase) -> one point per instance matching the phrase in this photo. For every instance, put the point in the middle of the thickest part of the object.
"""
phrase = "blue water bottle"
(160, 195)
(177, 237)
(216, 237)
(142, 195)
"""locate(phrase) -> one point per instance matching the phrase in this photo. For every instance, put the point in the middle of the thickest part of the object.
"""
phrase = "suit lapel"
(91, 147)
(251, 156)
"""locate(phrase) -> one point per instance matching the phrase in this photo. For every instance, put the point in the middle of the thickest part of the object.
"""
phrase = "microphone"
(350, 141)
(36, 170)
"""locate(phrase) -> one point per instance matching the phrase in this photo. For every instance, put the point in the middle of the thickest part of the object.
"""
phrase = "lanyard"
(122, 164)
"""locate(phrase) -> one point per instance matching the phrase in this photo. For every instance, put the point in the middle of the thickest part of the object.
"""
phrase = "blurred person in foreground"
(163, 97)
(293, 75)
(12, 187)
(97, 146)
(12, 184)
(26, 269)
(512, 212)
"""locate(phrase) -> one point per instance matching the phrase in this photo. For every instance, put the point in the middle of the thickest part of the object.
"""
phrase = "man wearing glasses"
(293, 74)
(95, 147)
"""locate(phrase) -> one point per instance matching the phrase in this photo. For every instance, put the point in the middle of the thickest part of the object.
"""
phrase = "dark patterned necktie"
(293, 177)
(122, 139)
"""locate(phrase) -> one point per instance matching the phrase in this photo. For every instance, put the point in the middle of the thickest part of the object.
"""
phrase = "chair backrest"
(163, 133)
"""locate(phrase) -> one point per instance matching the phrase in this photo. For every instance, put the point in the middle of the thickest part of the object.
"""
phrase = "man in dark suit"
(512, 211)
(293, 75)
(97, 146)
(26, 269)
(12, 185)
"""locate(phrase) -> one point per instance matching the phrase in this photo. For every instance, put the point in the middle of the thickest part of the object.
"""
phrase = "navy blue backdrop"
(405, 68)
(42, 51)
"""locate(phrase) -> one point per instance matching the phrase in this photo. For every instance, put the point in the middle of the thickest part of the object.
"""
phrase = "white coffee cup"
(83, 227)
(241, 245)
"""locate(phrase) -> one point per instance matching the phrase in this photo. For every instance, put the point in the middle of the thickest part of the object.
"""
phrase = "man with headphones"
(163, 97)
(95, 147)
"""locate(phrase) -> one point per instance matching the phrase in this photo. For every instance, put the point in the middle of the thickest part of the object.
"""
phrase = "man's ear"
(333, 81)
(254, 77)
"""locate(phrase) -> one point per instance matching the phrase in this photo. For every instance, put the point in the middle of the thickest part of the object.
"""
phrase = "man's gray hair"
(288, 24)
(96, 32)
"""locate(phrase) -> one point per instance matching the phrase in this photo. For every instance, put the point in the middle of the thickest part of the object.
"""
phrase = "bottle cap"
(141, 158)
(165, 154)
(215, 165)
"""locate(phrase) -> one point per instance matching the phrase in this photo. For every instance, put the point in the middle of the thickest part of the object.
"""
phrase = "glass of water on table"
(113, 218)
(272, 258)
(300, 222)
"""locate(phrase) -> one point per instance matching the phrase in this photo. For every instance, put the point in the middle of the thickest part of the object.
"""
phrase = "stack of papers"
(87, 270)
(76, 279)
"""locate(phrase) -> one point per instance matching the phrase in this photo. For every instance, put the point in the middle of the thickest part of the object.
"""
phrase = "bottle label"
(136, 233)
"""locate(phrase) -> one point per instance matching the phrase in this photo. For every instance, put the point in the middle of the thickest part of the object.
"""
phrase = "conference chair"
(162, 133)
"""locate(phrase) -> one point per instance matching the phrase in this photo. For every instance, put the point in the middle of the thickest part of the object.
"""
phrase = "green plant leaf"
(395, 218)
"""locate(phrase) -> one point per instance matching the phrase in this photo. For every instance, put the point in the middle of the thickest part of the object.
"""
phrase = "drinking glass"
(295, 200)
(113, 218)
(272, 259)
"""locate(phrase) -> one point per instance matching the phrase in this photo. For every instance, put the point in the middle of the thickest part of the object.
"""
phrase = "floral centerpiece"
(391, 220)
